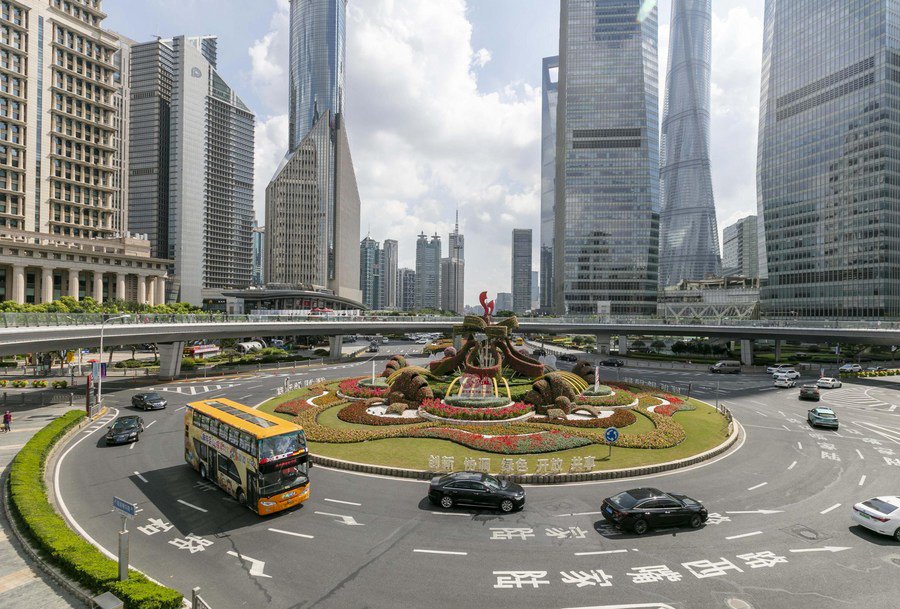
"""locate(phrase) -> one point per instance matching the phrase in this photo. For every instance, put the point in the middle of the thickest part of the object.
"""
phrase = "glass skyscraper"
(689, 237)
(828, 168)
(549, 95)
(606, 229)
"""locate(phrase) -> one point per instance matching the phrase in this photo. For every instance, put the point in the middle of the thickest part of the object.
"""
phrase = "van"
(726, 367)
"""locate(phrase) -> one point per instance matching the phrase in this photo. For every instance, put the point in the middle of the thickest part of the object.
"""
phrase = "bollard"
(71, 399)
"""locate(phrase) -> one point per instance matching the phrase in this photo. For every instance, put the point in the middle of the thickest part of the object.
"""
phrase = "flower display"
(521, 444)
(439, 409)
(352, 388)
(356, 412)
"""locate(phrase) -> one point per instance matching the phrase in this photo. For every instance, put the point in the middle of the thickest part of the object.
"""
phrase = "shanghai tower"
(689, 238)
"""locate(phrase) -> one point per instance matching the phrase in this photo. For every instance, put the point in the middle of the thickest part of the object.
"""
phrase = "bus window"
(283, 479)
(281, 445)
(234, 436)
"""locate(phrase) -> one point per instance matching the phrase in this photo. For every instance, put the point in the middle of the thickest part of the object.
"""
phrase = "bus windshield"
(285, 444)
(283, 479)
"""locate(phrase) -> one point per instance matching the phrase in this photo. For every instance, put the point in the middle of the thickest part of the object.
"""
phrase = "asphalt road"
(779, 535)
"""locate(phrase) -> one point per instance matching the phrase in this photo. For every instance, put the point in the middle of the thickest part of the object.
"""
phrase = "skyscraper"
(521, 269)
(370, 276)
(828, 167)
(258, 236)
(606, 212)
(406, 285)
(739, 248)
(390, 258)
(549, 93)
(689, 237)
(312, 201)
(453, 272)
(428, 272)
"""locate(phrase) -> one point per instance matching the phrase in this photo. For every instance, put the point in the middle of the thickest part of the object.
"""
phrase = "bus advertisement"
(259, 459)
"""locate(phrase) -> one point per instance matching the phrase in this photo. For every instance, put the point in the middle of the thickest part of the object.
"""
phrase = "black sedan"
(615, 363)
(642, 508)
(149, 401)
(809, 392)
(475, 489)
(568, 357)
(124, 430)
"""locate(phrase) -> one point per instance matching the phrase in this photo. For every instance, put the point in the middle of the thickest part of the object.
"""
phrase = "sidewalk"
(21, 583)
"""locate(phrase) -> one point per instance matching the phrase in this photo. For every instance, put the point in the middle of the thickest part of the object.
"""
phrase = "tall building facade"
(535, 290)
(828, 167)
(258, 246)
(453, 273)
(370, 273)
(689, 237)
(521, 269)
(406, 287)
(122, 102)
(428, 272)
(740, 255)
(312, 202)
(390, 260)
(606, 212)
(549, 94)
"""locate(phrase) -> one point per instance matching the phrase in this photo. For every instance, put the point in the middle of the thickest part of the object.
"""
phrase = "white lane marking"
(800, 446)
(860, 454)
(562, 515)
(191, 505)
(761, 414)
(440, 552)
(586, 513)
(182, 408)
(791, 466)
(892, 408)
(630, 606)
(760, 485)
(782, 414)
(454, 514)
(344, 502)
(754, 533)
(256, 566)
(834, 507)
(292, 534)
(348, 520)
(825, 549)
(142, 479)
(244, 397)
(621, 551)
(786, 427)
(150, 424)
(862, 480)
(132, 445)
(758, 512)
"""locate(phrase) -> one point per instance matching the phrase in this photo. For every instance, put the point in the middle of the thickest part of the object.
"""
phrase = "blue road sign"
(611, 435)
(124, 508)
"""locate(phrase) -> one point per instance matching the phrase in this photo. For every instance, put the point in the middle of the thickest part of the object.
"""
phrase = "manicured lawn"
(272, 404)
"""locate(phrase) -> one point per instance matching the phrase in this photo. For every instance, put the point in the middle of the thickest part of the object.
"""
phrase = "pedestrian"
(7, 421)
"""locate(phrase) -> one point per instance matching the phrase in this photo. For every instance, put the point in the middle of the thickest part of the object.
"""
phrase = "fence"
(197, 601)
(681, 388)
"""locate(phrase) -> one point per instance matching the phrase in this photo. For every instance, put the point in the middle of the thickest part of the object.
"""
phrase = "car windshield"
(283, 479)
(124, 424)
(492, 482)
(624, 500)
(882, 506)
(825, 415)
(152, 396)
(281, 445)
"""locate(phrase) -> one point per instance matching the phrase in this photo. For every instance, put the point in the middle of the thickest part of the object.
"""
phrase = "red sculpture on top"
(488, 306)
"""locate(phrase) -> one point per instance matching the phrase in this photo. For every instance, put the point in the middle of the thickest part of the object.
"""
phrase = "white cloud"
(271, 145)
(269, 60)
(482, 56)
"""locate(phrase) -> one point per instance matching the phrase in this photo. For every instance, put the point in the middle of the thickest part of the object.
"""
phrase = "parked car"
(875, 368)
(726, 367)
(809, 392)
(124, 430)
(783, 381)
(149, 401)
(822, 417)
(828, 383)
(643, 508)
(475, 489)
(851, 368)
(613, 362)
(778, 368)
(567, 357)
(422, 341)
(786, 373)
(539, 353)
(879, 514)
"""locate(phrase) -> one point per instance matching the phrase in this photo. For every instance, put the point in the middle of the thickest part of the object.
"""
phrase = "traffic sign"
(124, 507)
(611, 435)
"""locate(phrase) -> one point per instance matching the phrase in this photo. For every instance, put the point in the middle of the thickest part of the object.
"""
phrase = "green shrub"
(9, 364)
(20, 383)
(38, 384)
(321, 353)
(57, 542)
(60, 384)
(3, 382)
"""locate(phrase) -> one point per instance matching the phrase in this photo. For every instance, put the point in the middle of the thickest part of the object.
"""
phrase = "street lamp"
(100, 357)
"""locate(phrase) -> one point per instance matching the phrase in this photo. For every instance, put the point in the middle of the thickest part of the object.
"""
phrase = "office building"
(258, 236)
(312, 201)
(689, 237)
(535, 290)
(606, 212)
(406, 286)
(390, 260)
(521, 269)
(549, 93)
(121, 121)
(370, 273)
(453, 272)
(63, 105)
(828, 167)
(428, 272)
(739, 249)
(503, 302)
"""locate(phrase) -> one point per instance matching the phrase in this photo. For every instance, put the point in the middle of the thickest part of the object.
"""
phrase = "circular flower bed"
(358, 413)
(447, 411)
(467, 402)
(354, 389)
(622, 397)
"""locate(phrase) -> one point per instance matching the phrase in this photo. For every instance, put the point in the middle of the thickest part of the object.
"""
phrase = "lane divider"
(441, 552)
(191, 505)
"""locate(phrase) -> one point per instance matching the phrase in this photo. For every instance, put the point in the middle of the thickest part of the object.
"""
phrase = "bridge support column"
(777, 351)
(623, 345)
(170, 360)
(335, 344)
(602, 344)
(747, 352)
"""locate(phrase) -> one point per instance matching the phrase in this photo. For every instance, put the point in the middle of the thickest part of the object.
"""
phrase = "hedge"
(58, 543)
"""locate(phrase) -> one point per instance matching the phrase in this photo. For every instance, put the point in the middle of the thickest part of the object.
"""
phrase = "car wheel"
(897, 534)
(242, 498)
(506, 506)
(696, 521)
(203, 472)
(639, 527)
(446, 502)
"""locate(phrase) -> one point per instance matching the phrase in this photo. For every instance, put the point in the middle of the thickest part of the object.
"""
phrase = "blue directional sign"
(611, 435)
(124, 507)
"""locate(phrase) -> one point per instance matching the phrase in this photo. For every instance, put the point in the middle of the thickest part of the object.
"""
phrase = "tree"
(657, 346)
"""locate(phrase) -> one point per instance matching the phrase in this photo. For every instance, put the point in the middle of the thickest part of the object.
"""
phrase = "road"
(779, 535)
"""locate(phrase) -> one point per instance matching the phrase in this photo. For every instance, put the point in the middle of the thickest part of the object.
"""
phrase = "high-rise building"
(390, 259)
(828, 166)
(689, 237)
(453, 272)
(210, 177)
(504, 301)
(406, 286)
(63, 129)
(370, 273)
(606, 212)
(549, 93)
(428, 272)
(312, 202)
(535, 290)
(739, 249)
(258, 235)
(521, 269)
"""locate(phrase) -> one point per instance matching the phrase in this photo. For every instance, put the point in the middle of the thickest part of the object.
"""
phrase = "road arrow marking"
(825, 549)
(256, 566)
(348, 520)
(767, 512)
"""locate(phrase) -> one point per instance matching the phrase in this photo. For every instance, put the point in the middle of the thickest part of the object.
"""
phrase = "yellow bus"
(259, 459)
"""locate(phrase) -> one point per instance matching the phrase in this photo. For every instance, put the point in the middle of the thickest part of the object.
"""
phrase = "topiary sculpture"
(394, 364)
(545, 390)
(585, 370)
(412, 387)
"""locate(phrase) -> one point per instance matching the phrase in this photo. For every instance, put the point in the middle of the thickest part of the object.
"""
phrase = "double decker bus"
(259, 459)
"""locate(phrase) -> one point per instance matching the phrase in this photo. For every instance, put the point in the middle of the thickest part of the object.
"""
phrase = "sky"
(443, 108)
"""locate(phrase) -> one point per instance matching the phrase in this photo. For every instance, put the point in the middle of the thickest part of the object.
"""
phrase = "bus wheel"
(203, 471)
(242, 498)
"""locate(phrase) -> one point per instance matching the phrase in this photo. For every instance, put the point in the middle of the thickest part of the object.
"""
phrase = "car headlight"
(267, 503)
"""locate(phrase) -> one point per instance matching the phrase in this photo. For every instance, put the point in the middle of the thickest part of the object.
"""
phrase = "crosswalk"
(99, 423)
(193, 389)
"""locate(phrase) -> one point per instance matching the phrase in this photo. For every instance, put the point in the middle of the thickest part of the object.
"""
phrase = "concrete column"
(777, 351)
(73, 283)
(160, 290)
(151, 291)
(141, 289)
(18, 284)
(623, 345)
(170, 360)
(335, 344)
(46, 285)
(603, 342)
(747, 352)
(120, 286)
(98, 286)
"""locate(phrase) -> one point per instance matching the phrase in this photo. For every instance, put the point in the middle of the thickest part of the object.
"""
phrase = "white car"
(828, 383)
(781, 380)
(786, 373)
(422, 341)
(779, 368)
(851, 368)
(880, 514)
